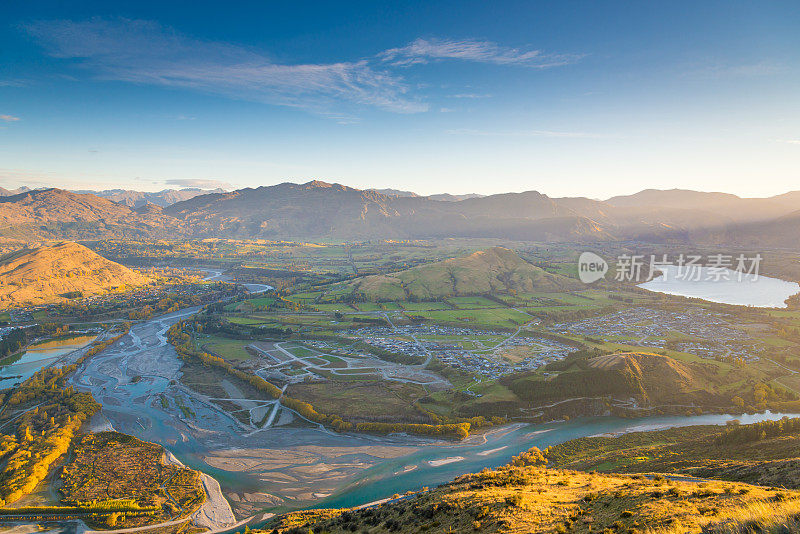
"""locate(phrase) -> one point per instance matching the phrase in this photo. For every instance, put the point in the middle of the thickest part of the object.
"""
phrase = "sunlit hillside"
(53, 273)
(537, 500)
(490, 271)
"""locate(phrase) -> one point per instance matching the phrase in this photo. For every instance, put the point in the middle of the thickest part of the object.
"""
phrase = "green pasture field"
(262, 301)
(368, 306)
(229, 349)
(481, 317)
(777, 342)
(335, 307)
(423, 306)
(305, 298)
(300, 319)
(329, 358)
(360, 400)
(301, 352)
(472, 302)
(247, 321)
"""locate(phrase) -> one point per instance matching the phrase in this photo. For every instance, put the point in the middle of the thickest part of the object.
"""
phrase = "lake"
(760, 291)
(38, 355)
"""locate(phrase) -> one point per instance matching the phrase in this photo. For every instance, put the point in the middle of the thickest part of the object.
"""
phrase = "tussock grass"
(530, 499)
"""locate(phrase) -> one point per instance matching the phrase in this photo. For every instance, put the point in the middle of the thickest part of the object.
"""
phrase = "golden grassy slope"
(496, 270)
(697, 451)
(43, 275)
(537, 500)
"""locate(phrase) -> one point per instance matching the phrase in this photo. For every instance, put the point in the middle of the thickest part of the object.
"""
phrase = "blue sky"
(567, 98)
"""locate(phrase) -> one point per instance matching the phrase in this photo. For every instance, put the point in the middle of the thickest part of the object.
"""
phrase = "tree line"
(46, 431)
(740, 434)
(43, 433)
(182, 340)
(19, 338)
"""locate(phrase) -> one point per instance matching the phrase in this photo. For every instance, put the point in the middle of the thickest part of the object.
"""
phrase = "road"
(791, 371)
(135, 407)
(384, 368)
(515, 334)
(428, 354)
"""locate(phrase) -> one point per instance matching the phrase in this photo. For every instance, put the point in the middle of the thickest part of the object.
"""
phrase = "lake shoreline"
(723, 287)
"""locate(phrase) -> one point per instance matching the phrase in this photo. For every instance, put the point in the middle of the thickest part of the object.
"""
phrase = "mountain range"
(60, 214)
(441, 196)
(9, 192)
(165, 197)
(320, 210)
(130, 197)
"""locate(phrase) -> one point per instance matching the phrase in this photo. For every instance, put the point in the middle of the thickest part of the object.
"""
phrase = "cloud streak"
(146, 52)
(198, 183)
(8, 118)
(427, 50)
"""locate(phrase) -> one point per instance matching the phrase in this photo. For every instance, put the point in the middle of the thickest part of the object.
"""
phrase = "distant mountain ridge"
(10, 192)
(441, 196)
(59, 214)
(319, 210)
(720, 204)
(163, 198)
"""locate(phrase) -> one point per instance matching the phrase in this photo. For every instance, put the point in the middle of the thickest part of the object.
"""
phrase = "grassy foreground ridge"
(562, 489)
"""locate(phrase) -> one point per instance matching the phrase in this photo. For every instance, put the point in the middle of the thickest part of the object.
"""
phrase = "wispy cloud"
(470, 95)
(427, 50)
(526, 133)
(199, 183)
(8, 118)
(146, 52)
(789, 141)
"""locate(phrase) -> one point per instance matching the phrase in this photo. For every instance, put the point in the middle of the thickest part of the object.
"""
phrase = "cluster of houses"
(484, 360)
(647, 327)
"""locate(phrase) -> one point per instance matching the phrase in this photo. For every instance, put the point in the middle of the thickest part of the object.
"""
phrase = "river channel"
(300, 465)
